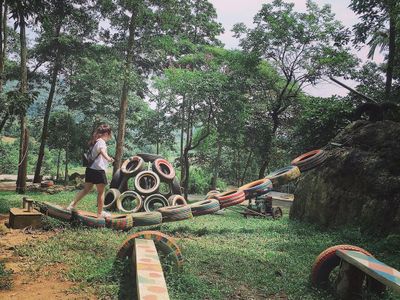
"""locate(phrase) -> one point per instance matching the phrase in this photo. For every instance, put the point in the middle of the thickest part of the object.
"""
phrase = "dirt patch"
(47, 284)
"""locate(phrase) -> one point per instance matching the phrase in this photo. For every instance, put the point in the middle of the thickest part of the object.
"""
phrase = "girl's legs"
(100, 198)
(86, 190)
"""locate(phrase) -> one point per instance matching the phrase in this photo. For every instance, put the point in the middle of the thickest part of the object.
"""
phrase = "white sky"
(231, 12)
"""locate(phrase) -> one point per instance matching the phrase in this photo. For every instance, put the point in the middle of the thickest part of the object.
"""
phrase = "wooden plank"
(281, 196)
(372, 267)
(149, 274)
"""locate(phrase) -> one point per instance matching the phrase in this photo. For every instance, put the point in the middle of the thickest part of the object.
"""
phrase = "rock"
(359, 183)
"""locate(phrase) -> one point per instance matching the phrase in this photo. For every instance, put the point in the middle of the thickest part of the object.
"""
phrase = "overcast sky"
(231, 12)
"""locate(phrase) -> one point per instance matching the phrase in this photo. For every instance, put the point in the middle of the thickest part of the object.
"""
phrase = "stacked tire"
(145, 182)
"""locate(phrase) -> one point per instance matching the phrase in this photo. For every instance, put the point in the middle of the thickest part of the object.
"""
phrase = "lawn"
(227, 256)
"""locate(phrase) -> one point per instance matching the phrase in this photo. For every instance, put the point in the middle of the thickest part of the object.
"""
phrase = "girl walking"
(95, 174)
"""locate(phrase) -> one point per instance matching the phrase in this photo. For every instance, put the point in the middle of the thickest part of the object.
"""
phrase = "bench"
(355, 265)
(150, 279)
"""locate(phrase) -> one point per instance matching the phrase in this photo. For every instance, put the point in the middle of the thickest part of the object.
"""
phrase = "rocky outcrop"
(358, 184)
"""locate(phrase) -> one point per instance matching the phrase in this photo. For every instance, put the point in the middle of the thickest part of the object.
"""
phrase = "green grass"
(5, 277)
(227, 256)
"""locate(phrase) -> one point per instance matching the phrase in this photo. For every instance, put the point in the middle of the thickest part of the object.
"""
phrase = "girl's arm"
(106, 156)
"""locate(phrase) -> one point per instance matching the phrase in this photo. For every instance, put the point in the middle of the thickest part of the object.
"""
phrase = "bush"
(200, 181)
(9, 153)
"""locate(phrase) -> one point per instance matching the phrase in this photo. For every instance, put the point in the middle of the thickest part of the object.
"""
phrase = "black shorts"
(95, 176)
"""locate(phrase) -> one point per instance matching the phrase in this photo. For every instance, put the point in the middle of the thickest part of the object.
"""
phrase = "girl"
(96, 173)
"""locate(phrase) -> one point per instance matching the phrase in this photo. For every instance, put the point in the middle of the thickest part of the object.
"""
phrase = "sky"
(231, 12)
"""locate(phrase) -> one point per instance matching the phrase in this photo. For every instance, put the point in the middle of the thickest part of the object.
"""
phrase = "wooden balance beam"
(150, 279)
(355, 265)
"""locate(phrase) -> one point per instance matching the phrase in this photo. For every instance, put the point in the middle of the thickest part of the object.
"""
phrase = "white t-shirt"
(100, 162)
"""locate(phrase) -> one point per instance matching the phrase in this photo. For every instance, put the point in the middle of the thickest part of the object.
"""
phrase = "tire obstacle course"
(358, 272)
(157, 209)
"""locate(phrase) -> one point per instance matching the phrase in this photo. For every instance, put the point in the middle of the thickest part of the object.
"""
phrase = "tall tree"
(380, 23)
(61, 36)
(303, 47)
(150, 34)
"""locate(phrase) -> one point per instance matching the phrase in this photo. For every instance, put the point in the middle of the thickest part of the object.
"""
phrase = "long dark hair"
(98, 132)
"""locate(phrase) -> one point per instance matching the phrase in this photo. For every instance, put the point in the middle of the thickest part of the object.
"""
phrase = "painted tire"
(284, 175)
(129, 196)
(205, 207)
(176, 187)
(54, 211)
(257, 188)
(165, 189)
(116, 180)
(147, 182)
(230, 198)
(89, 221)
(211, 193)
(120, 223)
(163, 243)
(177, 200)
(110, 199)
(148, 157)
(175, 213)
(327, 261)
(132, 166)
(146, 218)
(309, 160)
(151, 201)
(164, 169)
(46, 183)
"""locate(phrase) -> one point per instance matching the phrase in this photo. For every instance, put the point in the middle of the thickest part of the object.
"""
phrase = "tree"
(374, 15)
(303, 47)
(62, 35)
(151, 34)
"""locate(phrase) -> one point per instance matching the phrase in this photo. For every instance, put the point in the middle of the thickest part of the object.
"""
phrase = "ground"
(228, 256)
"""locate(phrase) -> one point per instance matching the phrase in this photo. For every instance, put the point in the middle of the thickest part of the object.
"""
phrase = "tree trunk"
(21, 181)
(49, 103)
(182, 137)
(216, 167)
(2, 62)
(23, 158)
(391, 56)
(246, 167)
(187, 175)
(124, 97)
(58, 165)
(66, 180)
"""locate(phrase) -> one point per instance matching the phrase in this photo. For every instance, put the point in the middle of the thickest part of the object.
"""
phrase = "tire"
(54, 211)
(47, 183)
(129, 196)
(89, 221)
(211, 193)
(326, 261)
(151, 201)
(175, 213)
(230, 198)
(132, 166)
(309, 160)
(123, 186)
(146, 218)
(176, 187)
(284, 175)
(205, 207)
(147, 182)
(257, 188)
(277, 213)
(164, 169)
(123, 223)
(176, 200)
(116, 180)
(148, 157)
(165, 189)
(163, 243)
(110, 199)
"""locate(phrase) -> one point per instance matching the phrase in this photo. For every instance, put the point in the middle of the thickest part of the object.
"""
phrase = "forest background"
(157, 73)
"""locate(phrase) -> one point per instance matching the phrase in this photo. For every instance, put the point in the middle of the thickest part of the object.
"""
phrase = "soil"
(47, 284)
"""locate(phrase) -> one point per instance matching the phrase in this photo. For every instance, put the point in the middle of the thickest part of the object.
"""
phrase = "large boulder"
(358, 184)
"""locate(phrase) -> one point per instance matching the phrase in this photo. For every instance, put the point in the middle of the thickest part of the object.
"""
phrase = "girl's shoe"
(105, 214)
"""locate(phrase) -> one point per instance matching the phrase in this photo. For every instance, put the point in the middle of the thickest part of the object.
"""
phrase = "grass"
(5, 277)
(227, 256)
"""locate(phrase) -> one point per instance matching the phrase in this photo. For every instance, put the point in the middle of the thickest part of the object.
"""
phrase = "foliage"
(5, 277)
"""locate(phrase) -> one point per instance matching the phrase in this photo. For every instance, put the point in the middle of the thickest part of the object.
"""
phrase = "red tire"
(309, 160)
(327, 261)
(164, 169)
